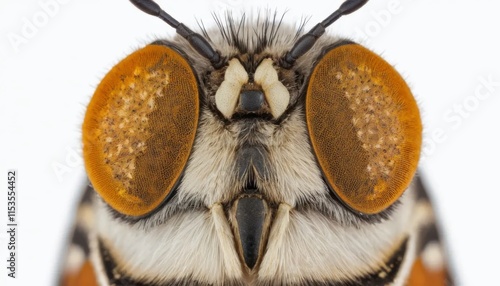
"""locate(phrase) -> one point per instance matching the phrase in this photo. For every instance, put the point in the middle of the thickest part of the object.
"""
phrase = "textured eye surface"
(364, 127)
(139, 129)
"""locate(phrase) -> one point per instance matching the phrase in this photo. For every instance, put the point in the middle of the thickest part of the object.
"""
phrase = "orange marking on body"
(422, 276)
(85, 277)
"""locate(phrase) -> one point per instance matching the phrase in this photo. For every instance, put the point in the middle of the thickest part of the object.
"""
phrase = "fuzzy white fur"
(302, 245)
(189, 245)
(211, 175)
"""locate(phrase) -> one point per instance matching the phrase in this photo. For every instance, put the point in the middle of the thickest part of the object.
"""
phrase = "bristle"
(250, 34)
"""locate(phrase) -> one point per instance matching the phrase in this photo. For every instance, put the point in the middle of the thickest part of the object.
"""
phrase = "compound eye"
(139, 129)
(364, 126)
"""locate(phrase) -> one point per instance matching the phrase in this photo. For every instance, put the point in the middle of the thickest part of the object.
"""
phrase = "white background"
(445, 50)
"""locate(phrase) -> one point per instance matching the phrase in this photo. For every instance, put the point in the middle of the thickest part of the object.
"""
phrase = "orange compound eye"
(139, 129)
(364, 126)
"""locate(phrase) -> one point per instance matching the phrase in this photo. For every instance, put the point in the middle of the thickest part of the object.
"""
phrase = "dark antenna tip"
(198, 42)
(350, 6)
(147, 6)
(306, 42)
(346, 8)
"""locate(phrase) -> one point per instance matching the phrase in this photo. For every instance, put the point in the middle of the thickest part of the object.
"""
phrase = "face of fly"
(228, 156)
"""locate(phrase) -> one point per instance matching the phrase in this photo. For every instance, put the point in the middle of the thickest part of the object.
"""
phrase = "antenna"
(198, 42)
(306, 42)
